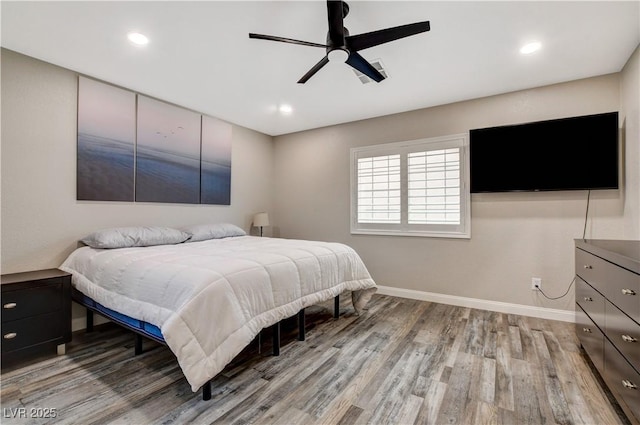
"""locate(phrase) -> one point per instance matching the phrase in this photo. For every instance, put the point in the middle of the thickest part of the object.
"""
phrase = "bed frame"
(143, 329)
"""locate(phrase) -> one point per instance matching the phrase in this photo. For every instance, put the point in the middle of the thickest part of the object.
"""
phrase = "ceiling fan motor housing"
(332, 47)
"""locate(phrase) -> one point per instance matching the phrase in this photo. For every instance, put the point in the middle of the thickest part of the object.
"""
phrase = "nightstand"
(36, 311)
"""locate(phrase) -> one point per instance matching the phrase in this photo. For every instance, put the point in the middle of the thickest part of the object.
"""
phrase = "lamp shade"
(261, 219)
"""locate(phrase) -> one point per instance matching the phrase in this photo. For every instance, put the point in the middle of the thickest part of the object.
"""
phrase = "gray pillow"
(124, 237)
(203, 232)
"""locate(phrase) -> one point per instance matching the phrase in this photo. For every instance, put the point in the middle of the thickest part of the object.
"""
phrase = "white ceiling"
(200, 55)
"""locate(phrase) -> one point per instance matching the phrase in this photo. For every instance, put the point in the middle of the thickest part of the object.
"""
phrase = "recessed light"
(529, 48)
(285, 109)
(137, 38)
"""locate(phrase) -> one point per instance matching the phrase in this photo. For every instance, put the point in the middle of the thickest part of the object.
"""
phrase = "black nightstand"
(36, 311)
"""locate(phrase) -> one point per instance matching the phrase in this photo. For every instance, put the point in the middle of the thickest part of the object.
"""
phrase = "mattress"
(211, 298)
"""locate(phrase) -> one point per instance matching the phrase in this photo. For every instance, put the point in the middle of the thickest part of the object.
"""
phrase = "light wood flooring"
(402, 362)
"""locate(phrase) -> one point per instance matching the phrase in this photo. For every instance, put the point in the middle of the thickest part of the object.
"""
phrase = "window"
(416, 188)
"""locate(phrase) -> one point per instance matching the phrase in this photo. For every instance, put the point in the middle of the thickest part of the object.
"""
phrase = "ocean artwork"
(137, 149)
(106, 142)
(168, 153)
(215, 179)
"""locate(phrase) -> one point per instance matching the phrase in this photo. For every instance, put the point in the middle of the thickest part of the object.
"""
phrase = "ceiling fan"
(344, 47)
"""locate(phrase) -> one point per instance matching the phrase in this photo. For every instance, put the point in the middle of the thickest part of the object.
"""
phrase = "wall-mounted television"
(563, 154)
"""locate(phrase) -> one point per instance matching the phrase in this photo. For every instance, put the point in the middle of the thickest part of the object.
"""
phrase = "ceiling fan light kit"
(342, 47)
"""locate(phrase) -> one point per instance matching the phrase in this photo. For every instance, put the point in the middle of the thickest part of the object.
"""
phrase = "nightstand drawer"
(591, 301)
(25, 333)
(32, 301)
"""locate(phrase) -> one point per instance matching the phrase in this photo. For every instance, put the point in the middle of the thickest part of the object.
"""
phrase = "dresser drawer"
(590, 337)
(618, 285)
(624, 333)
(39, 299)
(621, 379)
(25, 333)
(591, 301)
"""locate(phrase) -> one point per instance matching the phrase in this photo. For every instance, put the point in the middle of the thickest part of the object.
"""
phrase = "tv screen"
(563, 154)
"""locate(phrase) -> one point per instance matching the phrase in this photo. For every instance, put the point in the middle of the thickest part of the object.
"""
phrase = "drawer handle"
(588, 299)
(627, 338)
(629, 384)
(10, 305)
(10, 335)
(587, 330)
(588, 266)
(628, 291)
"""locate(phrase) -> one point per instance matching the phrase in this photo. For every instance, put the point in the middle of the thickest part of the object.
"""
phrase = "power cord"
(561, 296)
(586, 214)
(584, 233)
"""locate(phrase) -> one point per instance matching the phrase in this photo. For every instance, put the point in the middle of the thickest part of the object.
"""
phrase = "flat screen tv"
(564, 154)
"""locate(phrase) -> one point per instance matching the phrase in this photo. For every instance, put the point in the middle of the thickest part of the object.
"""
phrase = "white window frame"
(461, 230)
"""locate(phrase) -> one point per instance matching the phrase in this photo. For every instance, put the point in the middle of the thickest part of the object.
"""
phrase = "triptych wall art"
(134, 148)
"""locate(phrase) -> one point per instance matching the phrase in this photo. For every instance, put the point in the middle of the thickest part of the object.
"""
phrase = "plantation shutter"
(414, 188)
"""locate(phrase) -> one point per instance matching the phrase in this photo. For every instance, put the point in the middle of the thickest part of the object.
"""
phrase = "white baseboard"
(500, 307)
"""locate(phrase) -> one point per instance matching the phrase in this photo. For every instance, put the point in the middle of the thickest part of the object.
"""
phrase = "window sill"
(420, 234)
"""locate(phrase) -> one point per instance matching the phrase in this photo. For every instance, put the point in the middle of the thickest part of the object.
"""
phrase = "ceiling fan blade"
(336, 23)
(361, 64)
(312, 71)
(374, 38)
(286, 40)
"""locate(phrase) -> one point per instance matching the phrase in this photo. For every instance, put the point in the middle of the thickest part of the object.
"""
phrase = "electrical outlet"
(536, 283)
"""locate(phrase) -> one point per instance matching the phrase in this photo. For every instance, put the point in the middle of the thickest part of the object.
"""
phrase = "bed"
(211, 295)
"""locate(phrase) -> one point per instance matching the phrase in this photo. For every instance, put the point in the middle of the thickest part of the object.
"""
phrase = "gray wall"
(515, 236)
(41, 219)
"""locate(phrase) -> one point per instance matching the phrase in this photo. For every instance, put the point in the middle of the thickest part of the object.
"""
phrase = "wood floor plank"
(503, 397)
(457, 339)
(487, 381)
(516, 342)
(433, 395)
(474, 333)
(454, 408)
(408, 411)
(527, 403)
(491, 337)
(555, 394)
(392, 396)
(401, 362)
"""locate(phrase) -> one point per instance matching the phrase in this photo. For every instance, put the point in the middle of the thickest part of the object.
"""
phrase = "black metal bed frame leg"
(138, 345)
(206, 391)
(276, 339)
(301, 325)
(89, 320)
(336, 307)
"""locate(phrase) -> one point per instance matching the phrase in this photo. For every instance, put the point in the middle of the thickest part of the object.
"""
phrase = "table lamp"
(261, 220)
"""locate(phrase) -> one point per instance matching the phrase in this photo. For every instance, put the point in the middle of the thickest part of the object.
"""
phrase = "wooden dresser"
(608, 315)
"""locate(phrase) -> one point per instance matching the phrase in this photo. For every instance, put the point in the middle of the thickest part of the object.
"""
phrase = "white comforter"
(211, 298)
